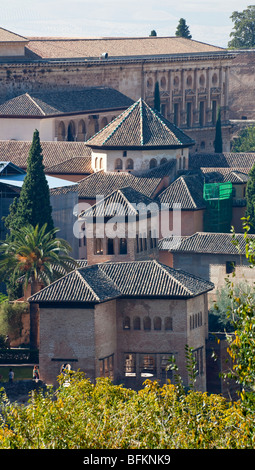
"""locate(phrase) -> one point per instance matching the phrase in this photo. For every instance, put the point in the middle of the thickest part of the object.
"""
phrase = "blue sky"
(208, 21)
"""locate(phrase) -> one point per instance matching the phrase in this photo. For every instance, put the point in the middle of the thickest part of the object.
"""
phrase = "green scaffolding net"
(218, 201)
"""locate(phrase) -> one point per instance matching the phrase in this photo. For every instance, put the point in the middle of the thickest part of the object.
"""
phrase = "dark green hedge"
(19, 356)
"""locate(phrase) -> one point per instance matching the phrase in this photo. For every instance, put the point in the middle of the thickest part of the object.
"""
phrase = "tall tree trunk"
(34, 318)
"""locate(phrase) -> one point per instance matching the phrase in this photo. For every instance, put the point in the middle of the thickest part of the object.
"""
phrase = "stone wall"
(184, 83)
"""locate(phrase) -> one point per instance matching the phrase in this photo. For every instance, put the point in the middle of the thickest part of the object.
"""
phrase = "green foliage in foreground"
(107, 416)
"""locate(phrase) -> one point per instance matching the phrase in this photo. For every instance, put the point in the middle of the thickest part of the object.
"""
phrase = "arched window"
(118, 164)
(126, 323)
(189, 80)
(147, 323)
(163, 83)
(163, 160)
(157, 323)
(61, 131)
(168, 323)
(81, 131)
(202, 80)
(71, 132)
(104, 122)
(96, 163)
(153, 163)
(123, 246)
(137, 323)
(129, 164)
(101, 163)
(150, 83)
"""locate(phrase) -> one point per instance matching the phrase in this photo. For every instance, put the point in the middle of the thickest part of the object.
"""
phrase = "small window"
(147, 323)
(98, 246)
(137, 323)
(157, 323)
(153, 163)
(123, 246)
(110, 246)
(118, 164)
(124, 153)
(129, 164)
(230, 267)
(126, 323)
(168, 323)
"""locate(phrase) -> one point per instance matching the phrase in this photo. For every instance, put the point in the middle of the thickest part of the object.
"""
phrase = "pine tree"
(33, 206)
(250, 197)
(218, 133)
(157, 98)
(153, 33)
(183, 30)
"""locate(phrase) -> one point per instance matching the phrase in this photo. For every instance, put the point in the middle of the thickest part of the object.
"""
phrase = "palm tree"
(37, 257)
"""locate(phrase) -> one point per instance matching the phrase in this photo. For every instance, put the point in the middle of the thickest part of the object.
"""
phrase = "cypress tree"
(182, 29)
(33, 206)
(250, 197)
(157, 98)
(218, 134)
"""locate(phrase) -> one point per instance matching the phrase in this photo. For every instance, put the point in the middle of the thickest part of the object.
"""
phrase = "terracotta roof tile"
(140, 127)
(213, 243)
(75, 165)
(8, 36)
(53, 152)
(48, 103)
(186, 190)
(116, 47)
(234, 175)
(104, 183)
(221, 160)
(119, 203)
(99, 283)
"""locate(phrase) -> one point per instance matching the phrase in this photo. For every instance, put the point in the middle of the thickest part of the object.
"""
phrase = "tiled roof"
(116, 47)
(104, 183)
(49, 103)
(140, 126)
(186, 190)
(221, 160)
(8, 36)
(101, 282)
(213, 243)
(119, 203)
(75, 165)
(53, 152)
(165, 169)
(234, 175)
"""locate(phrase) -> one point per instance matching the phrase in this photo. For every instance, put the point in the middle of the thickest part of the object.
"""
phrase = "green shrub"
(11, 318)
(107, 416)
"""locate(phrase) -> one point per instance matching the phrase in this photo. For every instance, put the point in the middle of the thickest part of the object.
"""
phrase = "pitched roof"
(53, 152)
(51, 103)
(104, 183)
(8, 36)
(105, 281)
(52, 47)
(213, 243)
(221, 160)
(140, 126)
(75, 165)
(121, 202)
(186, 190)
(234, 175)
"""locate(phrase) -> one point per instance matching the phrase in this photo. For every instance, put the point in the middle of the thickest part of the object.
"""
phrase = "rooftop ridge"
(188, 190)
(121, 120)
(164, 267)
(87, 284)
(35, 103)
